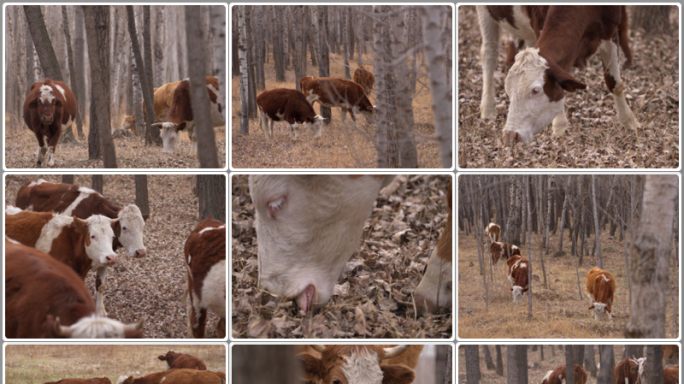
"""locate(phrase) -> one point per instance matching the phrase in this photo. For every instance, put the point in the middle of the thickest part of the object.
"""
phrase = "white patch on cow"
(83, 194)
(11, 240)
(436, 282)
(51, 230)
(34, 183)
(210, 229)
(362, 366)
(608, 51)
(101, 244)
(626, 380)
(132, 237)
(214, 290)
(162, 380)
(523, 265)
(96, 327)
(513, 247)
(517, 293)
(12, 210)
(170, 137)
(599, 310)
(189, 259)
(46, 95)
(121, 379)
(30, 207)
(606, 278)
(61, 90)
(547, 377)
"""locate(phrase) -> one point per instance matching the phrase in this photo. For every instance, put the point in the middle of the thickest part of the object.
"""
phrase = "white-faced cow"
(44, 298)
(338, 93)
(517, 275)
(600, 288)
(163, 99)
(364, 77)
(502, 250)
(558, 38)
(670, 374)
(370, 364)
(492, 232)
(49, 108)
(205, 257)
(557, 376)
(82, 202)
(290, 105)
(181, 116)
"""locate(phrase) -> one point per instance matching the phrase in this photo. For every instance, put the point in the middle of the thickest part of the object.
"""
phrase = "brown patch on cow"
(95, 380)
(22, 226)
(628, 369)
(290, 103)
(502, 12)
(181, 105)
(502, 249)
(182, 360)
(192, 376)
(365, 78)
(336, 92)
(600, 289)
(580, 375)
(671, 375)
(520, 273)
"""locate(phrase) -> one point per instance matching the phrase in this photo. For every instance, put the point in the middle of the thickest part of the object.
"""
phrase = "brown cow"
(95, 380)
(502, 250)
(282, 104)
(338, 93)
(493, 231)
(159, 377)
(163, 99)
(517, 275)
(364, 77)
(182, 360)
(670, 374)
(205, 257)
(557, 376)
(626, 371)
(49, 108)
(600, 288)
(46, 299)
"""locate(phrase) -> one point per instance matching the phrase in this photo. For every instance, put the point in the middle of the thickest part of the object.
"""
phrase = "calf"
(49, 108)
(562, 37)
(518, 275)
(205, 257)
(161, 377)
(338, 93)
(95, 380)
(557, 376)
(364, 77)
(492, 232)
(193, 376)
(46, 299)
(501, 249)
(600, 288)
(626, 371)
(181, 360)
(289, 105)
(181, 115)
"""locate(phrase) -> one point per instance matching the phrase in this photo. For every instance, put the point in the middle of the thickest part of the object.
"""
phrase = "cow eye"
(123, 228)
(535, 91)
(337, 381)
(92, 236)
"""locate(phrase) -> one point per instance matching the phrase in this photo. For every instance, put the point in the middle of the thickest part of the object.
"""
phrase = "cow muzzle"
(110, 260)
(47, 120)
(140, 253)
(510, 138)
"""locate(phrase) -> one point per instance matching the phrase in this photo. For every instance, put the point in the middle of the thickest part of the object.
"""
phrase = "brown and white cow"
(181, 116)
(205, 377)
(44, 298)
(670, 374)
(364, 77)
(182, 360)
(626, 371)
(500, 249)
(557, 376)
(434, 290)
(95, 380)
(282, 104)
(49, 108)
(163, 99)
(558, 38)
(492, 232)
(371, 364)
(205, 257)
(600, 288)
(518, 275)
(129, 123)
(338, 93)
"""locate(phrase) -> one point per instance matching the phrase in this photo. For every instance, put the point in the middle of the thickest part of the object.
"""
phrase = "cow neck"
(80, 262)
(561, 40)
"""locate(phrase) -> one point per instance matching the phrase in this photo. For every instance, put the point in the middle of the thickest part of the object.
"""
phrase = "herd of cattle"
(50, 108)
(296, 107)
(627, 371)
(600, 283)
(59, 232)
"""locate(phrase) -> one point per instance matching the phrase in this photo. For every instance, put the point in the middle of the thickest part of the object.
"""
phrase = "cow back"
(26, 226)
(204, 248)
(671, 375)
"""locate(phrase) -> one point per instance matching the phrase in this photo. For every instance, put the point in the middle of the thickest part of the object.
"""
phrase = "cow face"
(45, 104)
(98, 233)
(94, 327)
(536, 89)
(132, 225)
(129, 123)
(599, 310)
(517, 293)
(434, 290)
(170, 134)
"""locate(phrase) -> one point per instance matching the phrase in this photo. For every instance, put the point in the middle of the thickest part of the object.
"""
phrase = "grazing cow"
(181, 360)
(517, 275)
(46, 299)
(493, 232)
(364, 77)
(289, 105)
(371, 364)
(163, 377)
(49, 108)
(129, 124)
(434, 290)
(670, 374)
(181, 116)
(95, 380)
(600, 288)
(308, 227)
(205, 257)
(163, 99)
(501, 249)
(338, 93)
(626, 371)
(558, 37)
(193, 376)
(557, 376)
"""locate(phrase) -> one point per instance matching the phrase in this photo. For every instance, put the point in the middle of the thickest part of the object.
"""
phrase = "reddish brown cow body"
(671, 375)
(205, 257)
(95, 380)
(493, 232)
(600, 288)
(46, 299)
(626, 371)
(364, 77)
(282, 104)
(502, 250)
(49, 108)
(182, 360)
(518, 275)
(338, 93)
(557, 376)
(159, 377)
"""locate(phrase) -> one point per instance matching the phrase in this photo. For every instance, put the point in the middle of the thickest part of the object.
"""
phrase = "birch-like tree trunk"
(79, 65)
(385, 112)
(323, 53)
(300, 47)
(590, 360)
(654, 368)
(345, 42)
(152, 134)
(218, 27)
(605, 375)
(259, 39)
(159, 45)
(569, 364)
(472, 360)
(562, 221)
(211, 193)
(526, 180)
(279, 42)
(597, 228)
(244, 86)
(137, 95)
(251, 84)
(68, 134)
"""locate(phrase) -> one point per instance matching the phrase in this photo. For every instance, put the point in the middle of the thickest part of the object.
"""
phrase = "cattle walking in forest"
(502, 250)
(288, 105)
(518, 268)
(492, 232)
(339, 93)
(601, 288)
(557, 376)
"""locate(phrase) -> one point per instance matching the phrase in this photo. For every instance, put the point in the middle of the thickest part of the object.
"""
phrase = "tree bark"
(605, 375)
(265, 364)
(653, 19)
(218, 27)
(597, 229)
(633, 351)
(512, 373)
(569, 365)
(152, 134)
(300, 47)
(489, 362)
(654, 368)
(499, 361)
(141, 194)
(97, 182)
(211, 190)
(244, 76)
(472, 364)
(159, 45)
(68, 179)
(590, 360)
(386, 112)
(41, 40)
(69, 135)
(323, 54)
(278, 43)
(250, 61)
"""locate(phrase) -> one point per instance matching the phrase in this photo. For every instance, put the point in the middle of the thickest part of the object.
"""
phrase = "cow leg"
(99, 291)
(42, 149)
(263, 123)
(489, 29)
(221, 328)
(52, 144)
(343, 116)
(560, 124)
(197, 318)
(611, 65)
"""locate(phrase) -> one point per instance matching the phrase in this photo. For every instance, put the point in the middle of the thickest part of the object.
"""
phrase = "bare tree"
(387, 141)
(590, 360)
(41, 40)
(97, 182)
(323, 54)
(69, 135)
(265, 364)
(218, 28)
(596, 221)
(472, 364)
(141, 194)
(654, 368)
(605, 375)
(79, 66)
(652, 19)
(499, 361)
(159, 48)
(244, 76)
(569, 365)
(211, 190)
(279, 42)
(489, 362)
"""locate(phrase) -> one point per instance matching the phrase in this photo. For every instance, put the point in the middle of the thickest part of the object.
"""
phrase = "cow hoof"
(487, 111)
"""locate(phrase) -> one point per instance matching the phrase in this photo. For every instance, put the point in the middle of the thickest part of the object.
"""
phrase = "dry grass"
(341, 145)
(557, 311)
(41, 363)
(595, 139)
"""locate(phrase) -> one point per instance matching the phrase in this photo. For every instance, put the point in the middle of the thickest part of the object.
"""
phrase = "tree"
(634, 351)
(41, 40)
(607, 358)
(569, 365)
(211, 190)
(265, 364)
(516, 363)
(278, 43)
(489, 362)
(654, 368)
(97, 182)
(653, 19)
(589, 360)
(97, 24)
(385, 112)
(69, 135)
(300, 46)
(218, 28)
(244, 76)
(152, 134)
(141, 194)
(79, 66)
(472, 364)
(323, 54)
(499, 361)
(68, 179)
(597, 228)
(159, 45)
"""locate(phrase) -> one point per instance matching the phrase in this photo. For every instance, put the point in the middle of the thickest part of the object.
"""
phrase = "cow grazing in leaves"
(601, 288)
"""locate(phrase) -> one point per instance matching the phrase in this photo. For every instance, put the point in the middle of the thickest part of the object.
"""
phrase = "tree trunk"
(259, 39)
(251, 84)
(578, 355)
(68, 135)
(345, 42)
(218, 27)
(141, 194)
(265, 364)
(278, 43)
(590, 360)
(633, 351)
(387, 141)
(323, 54)
(68, 179)
(244, 76)
(597, 229)
(152, 134)
(562, 220)
(159, 45)
(512, 373)
(499, 361)
(472, 360)
(97, 180)
(654, 357)
(653, 19)
(137, 96)
(489, 362)
(211, 190)
(605, 375)
(522, 364)
(526, 180)
(569, 365)
(41, 40)
(300, 47)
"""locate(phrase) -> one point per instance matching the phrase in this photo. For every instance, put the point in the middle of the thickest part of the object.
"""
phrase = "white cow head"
(517, 293)
(98, 243)
(599, 311)
(96, 327)
(434, 290)
(170, 134)
(132, 224)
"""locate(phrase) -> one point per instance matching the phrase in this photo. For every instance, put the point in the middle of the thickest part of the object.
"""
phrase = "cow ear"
(314, 369)
(397, 374)
(592, 307)
(564, 79)
(181, 126)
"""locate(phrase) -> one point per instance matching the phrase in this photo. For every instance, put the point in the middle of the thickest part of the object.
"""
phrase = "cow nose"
(47, 120)
(111, 259)
(425, 305)
(140, 253)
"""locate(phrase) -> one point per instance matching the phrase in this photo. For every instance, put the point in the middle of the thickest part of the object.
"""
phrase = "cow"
(338, 93)
(49, 108)
(95, 380)
(558, 37)
(181, 116)
(205, 258)
(499, 249)
(364, 77)
(492, 232)
(165, 377)
(670, 374)
(517, 275)
(371, 364)
(44, 298)
(129, 124)
(163, 99)
(282, 104)
(181, 360)
(557, 376)
(626, 371)
(600, 288)
(434, 290)
(81, 244)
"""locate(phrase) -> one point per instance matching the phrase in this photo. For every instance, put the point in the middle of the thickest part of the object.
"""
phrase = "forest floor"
(42, 363)
(557, 311)
(595, 139)
(131, 152)
(151, 287)
(374, 295)
(341, 145)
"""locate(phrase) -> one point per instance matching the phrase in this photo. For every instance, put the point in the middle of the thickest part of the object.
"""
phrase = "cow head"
(129, 123)
(599, 310)
(129, 229)
(536, 89)
(94, 327)
(342, 364)
(517, 293)
(170, 134)
(45, 104)
(98, 234)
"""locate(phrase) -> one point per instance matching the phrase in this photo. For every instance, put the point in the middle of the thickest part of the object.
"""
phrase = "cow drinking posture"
(49, 108)
(557, 376)
(518, 275)
(289, 105)
(558, 38)
(600, 288)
